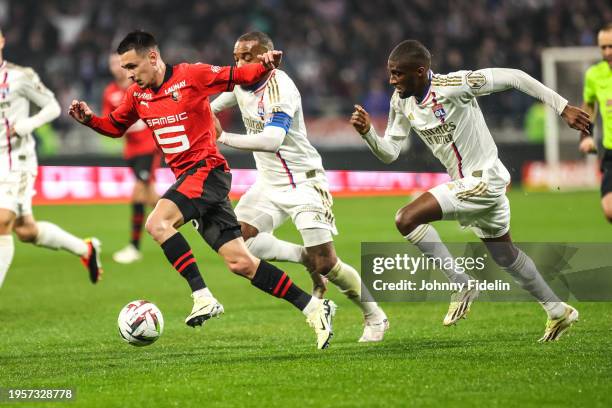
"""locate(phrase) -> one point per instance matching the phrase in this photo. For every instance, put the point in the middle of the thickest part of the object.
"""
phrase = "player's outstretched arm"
(82, 113)
(386, 148)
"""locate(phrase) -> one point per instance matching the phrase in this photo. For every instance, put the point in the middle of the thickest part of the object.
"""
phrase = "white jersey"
(296, 159)
(19, 86)
(450, 122)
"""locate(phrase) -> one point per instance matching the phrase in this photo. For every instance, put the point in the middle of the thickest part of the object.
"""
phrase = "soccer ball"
(140, 323)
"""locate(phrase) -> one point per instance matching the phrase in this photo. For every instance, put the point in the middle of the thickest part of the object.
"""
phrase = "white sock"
(525, 273)
(202, 293)
(426, 238)
(53, 237)
(312, 305)
(348, 281)
(269, 248)
(7, 250)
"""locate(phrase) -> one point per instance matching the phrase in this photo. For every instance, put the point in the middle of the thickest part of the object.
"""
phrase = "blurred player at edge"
(173, 102)
(443, 111)
(20, 86)
(142, 156)
(291, 182)
(598, 90)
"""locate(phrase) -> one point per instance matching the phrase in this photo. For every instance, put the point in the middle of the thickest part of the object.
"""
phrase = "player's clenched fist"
(80, 111)
(360, 119)
(271, 59)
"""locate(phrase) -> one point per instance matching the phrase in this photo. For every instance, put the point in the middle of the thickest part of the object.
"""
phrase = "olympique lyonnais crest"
(439, 111)
(176, 95)
(4, 90)
(260, 108)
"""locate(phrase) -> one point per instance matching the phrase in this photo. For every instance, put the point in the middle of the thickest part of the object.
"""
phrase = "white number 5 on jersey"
(167, 140)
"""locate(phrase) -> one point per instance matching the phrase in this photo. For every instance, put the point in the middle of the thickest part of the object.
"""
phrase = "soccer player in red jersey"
(142, 156)
(173, 102)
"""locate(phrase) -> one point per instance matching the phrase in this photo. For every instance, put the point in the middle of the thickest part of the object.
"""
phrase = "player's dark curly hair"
(262, 38)
(412, 52)
(138, 41)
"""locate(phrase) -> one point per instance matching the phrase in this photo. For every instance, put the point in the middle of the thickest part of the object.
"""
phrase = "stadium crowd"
(336, 50)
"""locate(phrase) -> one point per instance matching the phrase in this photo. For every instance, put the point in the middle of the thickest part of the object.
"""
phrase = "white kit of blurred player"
(20, 86)
(291, 183)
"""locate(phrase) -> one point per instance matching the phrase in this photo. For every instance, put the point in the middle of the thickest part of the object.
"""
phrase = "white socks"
(525, 273)
(426, 238)
(202, 293)
(348, 281)
(53, 237)
(312, 305)
(7, 250)
(269, 248)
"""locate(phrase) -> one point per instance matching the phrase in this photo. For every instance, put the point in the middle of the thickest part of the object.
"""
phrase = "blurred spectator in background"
(339, 43)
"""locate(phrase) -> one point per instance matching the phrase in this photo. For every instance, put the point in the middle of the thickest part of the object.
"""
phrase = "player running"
(443, 111)
(142, 156)
(20, 86)
(291, 182)
(173, 102)
(598, 90)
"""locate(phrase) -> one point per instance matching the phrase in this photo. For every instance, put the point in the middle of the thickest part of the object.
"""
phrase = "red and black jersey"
(139, 139)
(178, 111)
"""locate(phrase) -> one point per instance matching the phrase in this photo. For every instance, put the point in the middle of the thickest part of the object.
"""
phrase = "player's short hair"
(606, 27)
(139, 41)
(411, 51)
(262, 38)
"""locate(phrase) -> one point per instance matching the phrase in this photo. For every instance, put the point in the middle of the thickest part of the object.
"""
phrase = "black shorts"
(606, 169)
(201, 194)
(144, 166)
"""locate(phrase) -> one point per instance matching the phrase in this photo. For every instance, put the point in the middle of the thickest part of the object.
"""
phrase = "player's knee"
(406, 221)
(157, 227)
(320, 264)
(26, 233)
(242, 265)
(248, 231)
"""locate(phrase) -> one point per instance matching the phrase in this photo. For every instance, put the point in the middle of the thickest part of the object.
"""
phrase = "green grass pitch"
(60, 331)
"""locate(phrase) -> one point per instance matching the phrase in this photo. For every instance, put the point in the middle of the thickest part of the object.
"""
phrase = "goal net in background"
(565, 168)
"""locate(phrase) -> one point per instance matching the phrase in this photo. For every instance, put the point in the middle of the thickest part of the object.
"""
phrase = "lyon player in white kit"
(20, 86)
(444, 113)
(291, 183)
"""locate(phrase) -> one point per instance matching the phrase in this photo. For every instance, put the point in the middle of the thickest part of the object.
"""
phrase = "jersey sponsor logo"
(167, 119)
(476, 80)
(441, 134)
(144, 103)
(253, 125)
(215, 68)
(143, 95)
(176, 87)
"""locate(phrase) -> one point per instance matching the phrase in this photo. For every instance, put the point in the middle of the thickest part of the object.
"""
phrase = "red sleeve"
(222, 79)
(119, 120)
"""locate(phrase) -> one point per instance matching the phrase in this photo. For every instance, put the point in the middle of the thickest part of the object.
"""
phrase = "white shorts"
(309, 205)
(16, 192)
(476, 203)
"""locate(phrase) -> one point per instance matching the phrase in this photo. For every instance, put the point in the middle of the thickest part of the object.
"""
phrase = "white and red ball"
(140, 323)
